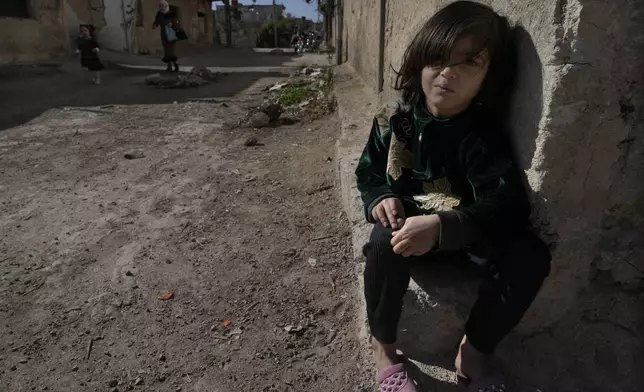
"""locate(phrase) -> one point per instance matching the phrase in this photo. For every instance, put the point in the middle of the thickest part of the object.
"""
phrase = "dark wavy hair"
(435, 40)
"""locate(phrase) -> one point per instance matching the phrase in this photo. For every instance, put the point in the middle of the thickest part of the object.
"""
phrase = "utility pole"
(229, 28)
(275, 23)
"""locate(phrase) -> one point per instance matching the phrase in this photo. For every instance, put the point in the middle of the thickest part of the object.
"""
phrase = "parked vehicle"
(306, 42)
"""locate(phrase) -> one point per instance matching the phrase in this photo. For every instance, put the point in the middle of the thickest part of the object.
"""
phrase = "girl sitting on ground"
(436, 179)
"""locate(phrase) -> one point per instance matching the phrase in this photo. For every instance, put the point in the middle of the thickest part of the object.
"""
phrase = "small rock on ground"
(272, 110)
(259, 120)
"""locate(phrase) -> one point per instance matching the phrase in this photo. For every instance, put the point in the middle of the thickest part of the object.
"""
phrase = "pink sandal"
(395, 379)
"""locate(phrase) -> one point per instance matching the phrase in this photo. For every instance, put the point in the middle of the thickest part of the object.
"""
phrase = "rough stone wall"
(361, 24)
(40, 38)
(578, 134)
(79, 12)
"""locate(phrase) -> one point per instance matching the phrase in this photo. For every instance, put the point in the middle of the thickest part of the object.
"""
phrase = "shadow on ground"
(434, 314)
(24, 96)
(208, 55)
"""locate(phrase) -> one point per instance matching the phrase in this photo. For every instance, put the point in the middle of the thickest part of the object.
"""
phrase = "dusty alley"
(203, 265)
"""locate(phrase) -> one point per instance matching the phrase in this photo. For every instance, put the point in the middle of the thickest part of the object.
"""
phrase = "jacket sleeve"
(500, 203)
(371, 172)
(157, 19)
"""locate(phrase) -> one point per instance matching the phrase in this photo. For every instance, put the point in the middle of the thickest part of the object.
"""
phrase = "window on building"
(139, 13)
(14, 8)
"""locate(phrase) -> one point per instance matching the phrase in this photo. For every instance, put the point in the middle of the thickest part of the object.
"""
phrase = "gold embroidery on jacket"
(438, 196)
(399, 158)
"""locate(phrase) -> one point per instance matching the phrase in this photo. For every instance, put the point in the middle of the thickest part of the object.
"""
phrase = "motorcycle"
(309, 42)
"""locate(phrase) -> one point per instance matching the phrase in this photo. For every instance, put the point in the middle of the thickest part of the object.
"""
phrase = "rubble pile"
(198, 76)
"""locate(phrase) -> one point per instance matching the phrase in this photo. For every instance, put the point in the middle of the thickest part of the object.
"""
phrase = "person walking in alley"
(88, 49)
(167, 18)
(436, 180)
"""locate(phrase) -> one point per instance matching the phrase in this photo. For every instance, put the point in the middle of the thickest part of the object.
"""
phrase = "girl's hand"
(418, 235)
(390, 213)
(170, 24)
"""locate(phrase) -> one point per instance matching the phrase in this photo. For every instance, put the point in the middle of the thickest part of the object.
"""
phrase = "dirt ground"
(250, 241)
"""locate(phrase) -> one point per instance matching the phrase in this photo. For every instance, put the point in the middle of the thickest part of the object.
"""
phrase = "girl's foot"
(385, 354)
(176, 67)
(396, 379)
(476, 371)
(168, 68)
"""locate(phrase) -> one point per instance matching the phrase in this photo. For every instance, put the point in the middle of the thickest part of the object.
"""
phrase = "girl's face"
(449, 89)
(164, 6)
(84, 32)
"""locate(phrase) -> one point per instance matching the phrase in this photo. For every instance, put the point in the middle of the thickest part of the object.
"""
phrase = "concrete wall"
(579, 136)
(40, 38)
(362, 31)
(79, 12)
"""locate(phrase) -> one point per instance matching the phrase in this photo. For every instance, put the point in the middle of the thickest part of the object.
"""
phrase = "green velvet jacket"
(458, 168)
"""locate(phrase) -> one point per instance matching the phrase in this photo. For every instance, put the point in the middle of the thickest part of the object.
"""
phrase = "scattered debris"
(332, 283)
(178, 81)
(312, 262)
(324, 237)
(129, 273)
(294, 329)
(134, 155)
(307, 95)
(259, 120)
(153, 79)
(320, 189)
(90, 343)
(138, 381)
(113, 383)
(23, 360)
(273, 110)
(204, 73)
(236, 332)
(75, 368)
(227, 323)
(278, 86)
(166, 295)
(251, 141)
(162, 357)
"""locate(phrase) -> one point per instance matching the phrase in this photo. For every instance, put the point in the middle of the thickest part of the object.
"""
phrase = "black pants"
(513, 278)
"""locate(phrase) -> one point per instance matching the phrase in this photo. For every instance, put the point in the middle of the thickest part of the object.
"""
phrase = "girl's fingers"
(379, 216)
(408, 252)
(401, 246)
(391, 216)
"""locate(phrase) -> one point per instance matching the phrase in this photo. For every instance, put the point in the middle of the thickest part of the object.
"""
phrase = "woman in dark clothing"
(88, 48)
(168, 19)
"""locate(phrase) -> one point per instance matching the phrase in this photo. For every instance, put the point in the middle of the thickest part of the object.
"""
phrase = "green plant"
(294, 93)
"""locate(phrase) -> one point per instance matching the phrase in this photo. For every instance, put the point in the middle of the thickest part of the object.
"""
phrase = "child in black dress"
(88, 49)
